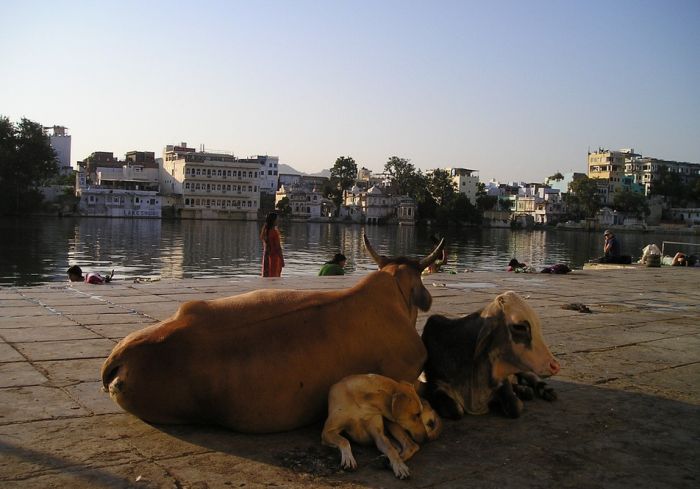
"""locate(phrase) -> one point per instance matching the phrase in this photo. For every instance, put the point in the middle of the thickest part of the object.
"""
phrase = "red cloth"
(273, 261)
(94, 278)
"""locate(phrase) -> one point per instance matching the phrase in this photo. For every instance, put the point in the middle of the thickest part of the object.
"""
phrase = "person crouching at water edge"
(273, 261)
(75, 274)
(334, 267)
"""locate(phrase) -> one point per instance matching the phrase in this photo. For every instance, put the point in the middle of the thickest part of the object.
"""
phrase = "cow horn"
(379, 260)
(432, 256)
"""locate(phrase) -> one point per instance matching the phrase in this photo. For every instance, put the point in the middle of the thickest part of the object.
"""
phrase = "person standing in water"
(273, 261)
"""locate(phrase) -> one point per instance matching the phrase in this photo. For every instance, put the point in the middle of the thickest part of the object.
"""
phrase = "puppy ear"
(405, 399)
(399, 401)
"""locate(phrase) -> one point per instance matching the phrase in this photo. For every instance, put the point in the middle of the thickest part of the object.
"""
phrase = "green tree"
(484, 202)
(26, 162)
(441, 187)
(463, 211)
(557, 177)
(284, 208)
(631, 203)
(694, 191)
(344, 172)
(404, 177)
(343, 175)
(582, 200)
(669, 185)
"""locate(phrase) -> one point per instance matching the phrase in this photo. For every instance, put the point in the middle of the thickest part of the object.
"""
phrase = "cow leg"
(408, 446)
(375, 427)
(521, 388)
(511, 405)
(539, 386)
(331, 437)
(444, 404)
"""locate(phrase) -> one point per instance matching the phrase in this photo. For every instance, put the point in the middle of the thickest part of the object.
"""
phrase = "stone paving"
(628, 411)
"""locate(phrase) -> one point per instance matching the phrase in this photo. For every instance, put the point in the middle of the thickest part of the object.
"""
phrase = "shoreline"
(630, 371)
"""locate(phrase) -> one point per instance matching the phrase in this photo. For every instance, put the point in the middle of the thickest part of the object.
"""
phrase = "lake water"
(39, 250)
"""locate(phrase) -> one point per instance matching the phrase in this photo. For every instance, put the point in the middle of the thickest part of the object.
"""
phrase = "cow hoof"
(524, 392)
(545, 392)
(512, 408)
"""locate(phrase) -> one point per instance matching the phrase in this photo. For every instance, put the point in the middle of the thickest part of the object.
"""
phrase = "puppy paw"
(347, 461)
(400, 469)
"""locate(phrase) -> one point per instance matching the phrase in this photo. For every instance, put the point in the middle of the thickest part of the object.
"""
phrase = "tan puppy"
(358, 405)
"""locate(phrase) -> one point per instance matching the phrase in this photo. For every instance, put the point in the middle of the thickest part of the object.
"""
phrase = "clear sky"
(517, 90)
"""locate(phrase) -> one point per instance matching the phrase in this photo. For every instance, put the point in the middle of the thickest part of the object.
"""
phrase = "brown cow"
(264, 361)
(473, 360)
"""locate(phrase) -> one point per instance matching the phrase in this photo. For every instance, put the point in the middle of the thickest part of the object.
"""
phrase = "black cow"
(495, 354)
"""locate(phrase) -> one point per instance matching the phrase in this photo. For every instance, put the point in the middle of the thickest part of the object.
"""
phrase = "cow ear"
(483, 339)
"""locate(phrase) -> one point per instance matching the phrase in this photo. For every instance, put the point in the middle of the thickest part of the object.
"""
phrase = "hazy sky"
(514, 89)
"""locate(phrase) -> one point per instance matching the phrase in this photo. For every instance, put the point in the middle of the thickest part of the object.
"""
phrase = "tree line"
(436, 195)
(27, 162)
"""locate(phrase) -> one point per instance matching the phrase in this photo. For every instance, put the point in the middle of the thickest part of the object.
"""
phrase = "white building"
(687, 215)
(204, 185)
(126, 193)
(60, 141)
(373, 206)
(269, 173)
(108, 187)
(544, 205)
(467, 182)
(307, 204)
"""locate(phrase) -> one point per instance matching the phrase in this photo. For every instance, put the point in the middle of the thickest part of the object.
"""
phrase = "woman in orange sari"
(273, 261)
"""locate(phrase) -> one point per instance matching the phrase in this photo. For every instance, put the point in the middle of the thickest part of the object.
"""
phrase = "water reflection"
(40, 250)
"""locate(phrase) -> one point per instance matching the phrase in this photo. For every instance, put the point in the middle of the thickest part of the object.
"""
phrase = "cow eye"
(523, 327)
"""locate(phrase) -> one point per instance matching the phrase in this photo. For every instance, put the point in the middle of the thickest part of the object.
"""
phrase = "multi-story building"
(101, 159)
(127, 190)
(467, 182)
(608, 169)
(366, 179)
(374, 206)
(288, 180)
(60, 141)
(269, 176)
(146, 159)
(621, 170)
(203, 185)
(645, 170)
(306, 203)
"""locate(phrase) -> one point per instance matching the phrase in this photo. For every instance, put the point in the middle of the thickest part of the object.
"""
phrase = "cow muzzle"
(554, 367)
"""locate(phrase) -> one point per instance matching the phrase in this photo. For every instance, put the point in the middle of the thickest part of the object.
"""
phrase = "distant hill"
(322, 173)
(283, 168)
